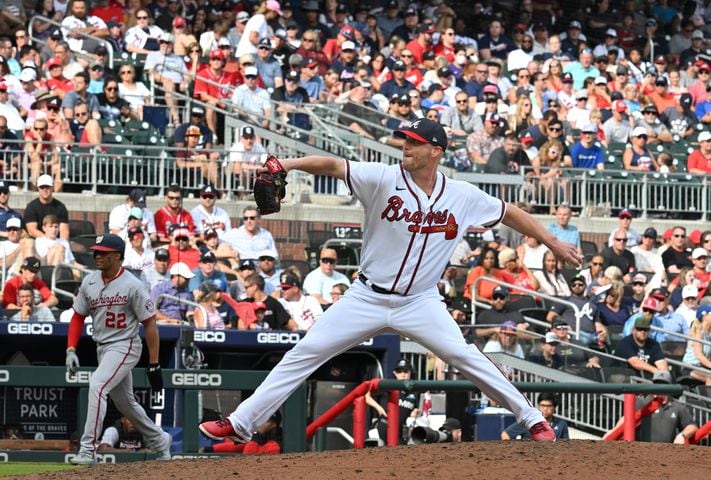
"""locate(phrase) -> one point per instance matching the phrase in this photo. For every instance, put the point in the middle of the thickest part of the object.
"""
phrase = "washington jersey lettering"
(419, 232)
(117, 307)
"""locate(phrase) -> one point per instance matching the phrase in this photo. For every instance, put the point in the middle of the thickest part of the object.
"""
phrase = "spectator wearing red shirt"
(422, 43)
(699, 162)
(28, 276)
(446, 45)
(172, 215)
(180, 249)
(332, 49)
(208, 89)
(108, 11)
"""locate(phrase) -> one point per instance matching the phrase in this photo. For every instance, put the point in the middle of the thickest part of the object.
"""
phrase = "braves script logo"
(104, 301)
(425, 223)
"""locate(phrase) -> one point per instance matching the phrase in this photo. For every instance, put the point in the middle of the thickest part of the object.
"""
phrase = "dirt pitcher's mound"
(577, 460)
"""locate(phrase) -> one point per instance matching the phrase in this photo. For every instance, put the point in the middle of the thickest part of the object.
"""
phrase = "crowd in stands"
(541, 85)
(633, 283)
(546, 86)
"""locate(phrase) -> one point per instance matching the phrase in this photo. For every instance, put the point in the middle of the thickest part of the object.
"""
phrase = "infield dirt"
(578, 460)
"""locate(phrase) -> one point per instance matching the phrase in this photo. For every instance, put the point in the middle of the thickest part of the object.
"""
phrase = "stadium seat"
(81, 227)
(617, 374)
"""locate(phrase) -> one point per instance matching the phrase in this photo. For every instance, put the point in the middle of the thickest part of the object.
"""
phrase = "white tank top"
(533, 257)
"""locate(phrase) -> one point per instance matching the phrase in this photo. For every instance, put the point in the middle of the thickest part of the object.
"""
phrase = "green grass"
(23, 468)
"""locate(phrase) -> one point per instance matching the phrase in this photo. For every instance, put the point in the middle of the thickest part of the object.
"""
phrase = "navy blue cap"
(109, 243)
(425, 131)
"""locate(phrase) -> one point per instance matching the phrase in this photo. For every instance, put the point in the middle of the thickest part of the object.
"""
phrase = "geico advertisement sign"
(209, 336)
(196, 379)
(79, 377)
(100, 458)
(278, 337)
(4, 376)
(30, 328)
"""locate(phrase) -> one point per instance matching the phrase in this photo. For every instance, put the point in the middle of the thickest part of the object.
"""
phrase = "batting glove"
(155, 376)
(72, 362)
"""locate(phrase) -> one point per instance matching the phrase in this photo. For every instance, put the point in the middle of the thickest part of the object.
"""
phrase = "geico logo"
(197, 379)
(208, 336)
(278, 337)
(79, 377)
(4, 458)
(4, 376)
(30, 328)
(100, 458)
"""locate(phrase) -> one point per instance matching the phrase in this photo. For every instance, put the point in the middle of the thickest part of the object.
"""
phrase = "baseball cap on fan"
(31, 263)
(425, 131)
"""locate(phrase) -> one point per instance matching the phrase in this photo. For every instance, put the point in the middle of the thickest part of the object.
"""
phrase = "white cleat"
(164, 453)
(82, 459)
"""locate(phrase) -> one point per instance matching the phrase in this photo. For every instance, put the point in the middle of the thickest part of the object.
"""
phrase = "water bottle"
(484, 402)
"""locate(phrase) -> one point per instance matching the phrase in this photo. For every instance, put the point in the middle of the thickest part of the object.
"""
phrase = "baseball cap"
(689, 291)
(259, 306)
(661, 376)
(56, 34)
(181, 269)
(274, 5)
(53, 62)
(704, 137)
(348, 32)
(242, 16)
(180, 232)
(138, 196)
(265, 42)
(209, 189)
(347, 45)
(650, 303)
(244, 264)
(611, 32)
(217, 53)
(293, 76)
(32, 264)
(45, 181)
(638, 131)
(193, 130)
(651, 22)
(425, 131)
(552, 338)
(650, 107)
(178, 22)
(622, 70)
(581, 95)
(208, 257)
(251, 71)
(698, 253)
(589, 128)
(444, 72)
(162, 254)
(660, 59)
(425, 28)
(399, 66)
(508, 327)
(28, 75)
(135, 212)
(567, 78)
(703, 310)
(500, 291)
(661, 82)
(428, 55)
(600, 81)
(434, 87)
(695, 236)
(490, 89)
(642, 322)
(209, 232)
(493, 118)
(625, 213)
(109, 243)
(246, 131)
(578, 278)
(639, 278)
(526, 139)
(309, 63)
(651, 233)
(660, 293)
(269, 253)
(197, 111)
(4, 187)
(13, 222)
(289, 281)
(575, 24)
(619, 106)
(697, 34)
(560, 323)
(403, 365)
(132, 232)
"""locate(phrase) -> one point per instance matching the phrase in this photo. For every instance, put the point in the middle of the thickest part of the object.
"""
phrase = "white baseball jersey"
(420, 233)
(305, 311)
(219, 219)
(117, 306)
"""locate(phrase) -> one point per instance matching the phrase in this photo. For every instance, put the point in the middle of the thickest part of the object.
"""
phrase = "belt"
(374, 287)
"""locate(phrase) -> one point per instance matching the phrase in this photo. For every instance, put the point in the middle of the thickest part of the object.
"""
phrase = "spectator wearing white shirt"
(143, 38)
(118, 218)
(208, 215)
(305, 310)
(78, 23)
(318, 282)
(257, 27)
(246, 155)
(251, 100)
(136, 255)
(250, 238)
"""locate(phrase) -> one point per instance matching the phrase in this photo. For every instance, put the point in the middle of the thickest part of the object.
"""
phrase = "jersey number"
(115, 320)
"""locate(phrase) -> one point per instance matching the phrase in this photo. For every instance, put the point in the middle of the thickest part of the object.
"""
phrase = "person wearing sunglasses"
(250, 238)
(638, 156)
(143, 38)
(647, 257)
(318, 282)
(76, 22)
(171, 215)
(111, 106)
(618, 255)
(617, 128)
(207, 215)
